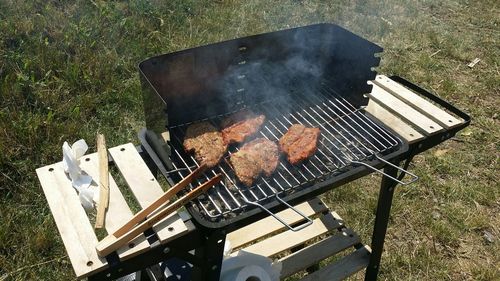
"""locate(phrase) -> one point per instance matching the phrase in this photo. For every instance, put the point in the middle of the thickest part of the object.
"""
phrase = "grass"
(68, 70)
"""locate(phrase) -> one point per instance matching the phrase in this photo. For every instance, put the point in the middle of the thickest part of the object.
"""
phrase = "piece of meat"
(254, 158)
(240, 126)
(246, 167)
(291, 136)
(206, 142)
(299, 143)
(266, 152)
(236, 117)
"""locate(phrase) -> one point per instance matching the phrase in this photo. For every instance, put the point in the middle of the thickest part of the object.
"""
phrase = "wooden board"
(343, 268)
(425, 107)
(72, 222)
(393, 122)
(289, 239)
(270, 225)
(118, 210)
(145, 188)
(315, 253)
(404, 111)
(103, 181)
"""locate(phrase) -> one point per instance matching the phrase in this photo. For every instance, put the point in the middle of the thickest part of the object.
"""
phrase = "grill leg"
(381, 220)
(211, 254)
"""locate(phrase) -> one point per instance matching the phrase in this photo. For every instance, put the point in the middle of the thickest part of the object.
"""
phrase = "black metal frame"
(207, 259)
(381, 221)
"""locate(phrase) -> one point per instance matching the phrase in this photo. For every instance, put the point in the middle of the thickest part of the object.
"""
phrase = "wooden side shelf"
(327, 237)
(406, 112)
(73, 222)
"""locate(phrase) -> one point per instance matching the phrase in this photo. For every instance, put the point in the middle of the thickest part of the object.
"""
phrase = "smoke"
(271, 71)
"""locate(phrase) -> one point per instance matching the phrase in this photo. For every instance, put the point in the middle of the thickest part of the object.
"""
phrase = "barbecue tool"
(134, 227)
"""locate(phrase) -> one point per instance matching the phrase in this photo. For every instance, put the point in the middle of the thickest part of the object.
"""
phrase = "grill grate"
(346, 135)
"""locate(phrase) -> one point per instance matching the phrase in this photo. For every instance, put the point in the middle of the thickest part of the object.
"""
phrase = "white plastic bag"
(80, 181)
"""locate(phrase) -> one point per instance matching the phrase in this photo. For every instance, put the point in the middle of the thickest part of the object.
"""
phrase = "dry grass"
(67, 70)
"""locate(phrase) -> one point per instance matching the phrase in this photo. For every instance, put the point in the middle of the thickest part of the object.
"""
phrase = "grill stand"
(211, 255)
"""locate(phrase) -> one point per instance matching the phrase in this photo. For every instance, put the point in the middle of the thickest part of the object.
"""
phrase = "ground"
(68, 70)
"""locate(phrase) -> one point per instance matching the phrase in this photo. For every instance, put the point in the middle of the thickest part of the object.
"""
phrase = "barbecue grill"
(315, 75)
(320, 76)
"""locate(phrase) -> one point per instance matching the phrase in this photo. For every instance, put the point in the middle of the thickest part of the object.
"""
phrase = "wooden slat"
(430, 110)
(72, 222)
(404, 111)
(270, 225)
(289, 239)
(118, 211)
(103, 181)
(315, 253)
(145, 188)
(393, 122)
(343, 268)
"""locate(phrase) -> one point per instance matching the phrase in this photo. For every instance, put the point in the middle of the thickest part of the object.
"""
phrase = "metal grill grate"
(347, 135)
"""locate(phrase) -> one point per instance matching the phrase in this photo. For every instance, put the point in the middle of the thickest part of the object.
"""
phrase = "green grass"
(68, 70)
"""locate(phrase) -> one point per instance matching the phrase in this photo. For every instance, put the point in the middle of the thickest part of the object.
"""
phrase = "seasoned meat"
(206, 142)
(254, 158)
(299, 143)
(266, 153)
(240, 126)
(246, 167)
(236, 117)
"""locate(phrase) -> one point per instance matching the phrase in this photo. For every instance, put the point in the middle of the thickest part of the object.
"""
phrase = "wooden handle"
(102, 153)
(112, 243)
(140, 216)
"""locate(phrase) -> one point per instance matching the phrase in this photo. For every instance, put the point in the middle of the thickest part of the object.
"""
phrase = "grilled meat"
(206, 142)
(254, 158)
(266, 153)
(240, 126)
(246, 167)
(299, 143)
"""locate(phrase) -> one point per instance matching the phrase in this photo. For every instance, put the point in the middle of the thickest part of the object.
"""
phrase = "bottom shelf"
(326, 240)
(343, 268)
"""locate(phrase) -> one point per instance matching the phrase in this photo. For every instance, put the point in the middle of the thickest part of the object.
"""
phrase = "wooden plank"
(270, 225)
(103, 181)
(343, 268)
(72, 222)
(393, 122)
(425, 107)
(145, 189)
(404, 111)
(315, 253)
(118, 211)
(289, 239)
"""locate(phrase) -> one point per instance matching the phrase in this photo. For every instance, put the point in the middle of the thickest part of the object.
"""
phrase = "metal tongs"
(158, 210)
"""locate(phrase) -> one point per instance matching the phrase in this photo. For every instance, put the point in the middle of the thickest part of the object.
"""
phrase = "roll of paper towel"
(247, 273)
